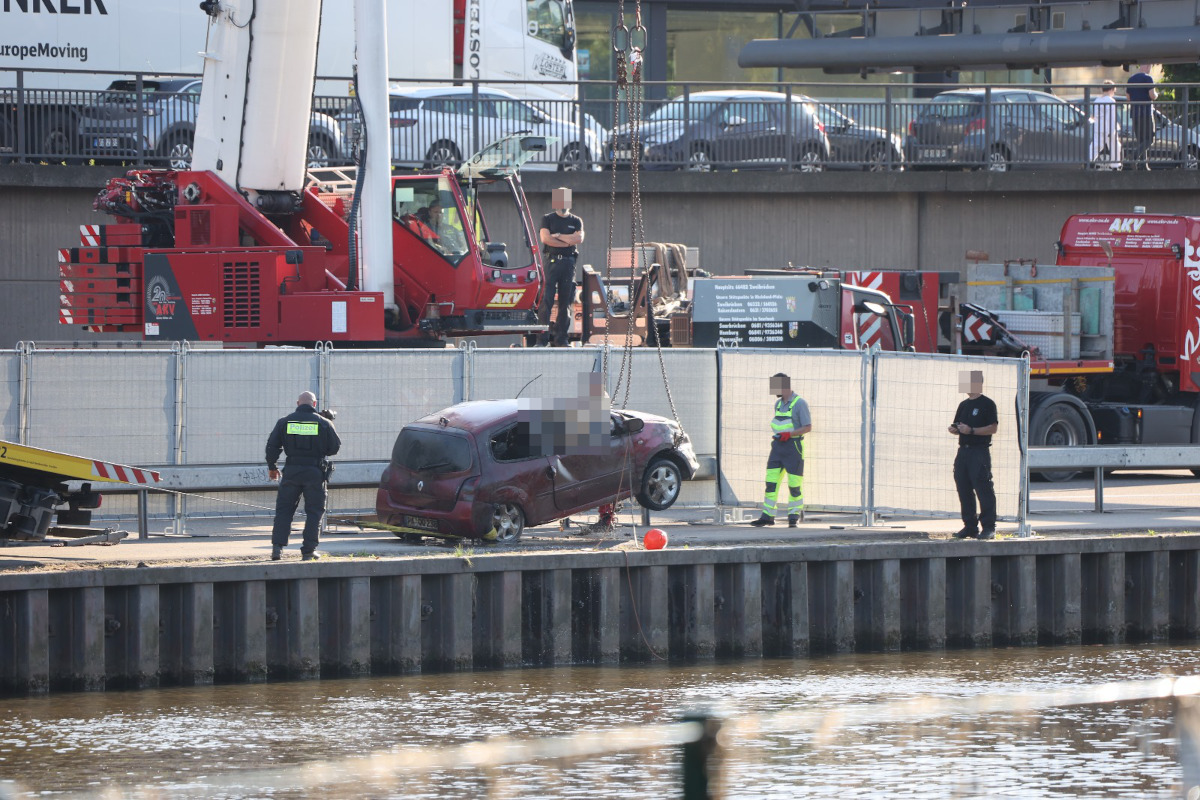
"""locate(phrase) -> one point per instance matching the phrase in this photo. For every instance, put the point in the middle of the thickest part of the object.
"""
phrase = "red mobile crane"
(247, 249)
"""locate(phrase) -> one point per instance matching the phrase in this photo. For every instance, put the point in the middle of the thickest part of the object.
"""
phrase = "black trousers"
(296, 482)
(1143, 129)
(973, 476)
(560, 281)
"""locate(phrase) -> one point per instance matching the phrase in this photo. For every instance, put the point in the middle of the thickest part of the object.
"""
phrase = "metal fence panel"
(544, 373)
(692, 376)
(916, 397)
(832, 385)
(376, 393)
(10, 395)
(232, 398)
(106, 404)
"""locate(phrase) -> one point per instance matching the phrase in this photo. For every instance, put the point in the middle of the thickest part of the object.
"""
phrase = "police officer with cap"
(308, 439)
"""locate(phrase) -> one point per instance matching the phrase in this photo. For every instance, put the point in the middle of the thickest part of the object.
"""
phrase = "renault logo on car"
(420, 486)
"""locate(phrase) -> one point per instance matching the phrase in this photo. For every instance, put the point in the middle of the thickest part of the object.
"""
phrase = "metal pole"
(701, 761)
(1023, 529)
(868, 379)
(143, 514)
(1098, 483)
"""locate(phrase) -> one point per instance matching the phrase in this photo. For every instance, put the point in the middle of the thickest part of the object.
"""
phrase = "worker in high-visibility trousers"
(788, 426)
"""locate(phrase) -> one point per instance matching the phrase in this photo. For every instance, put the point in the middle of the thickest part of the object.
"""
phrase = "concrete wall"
(850, 220)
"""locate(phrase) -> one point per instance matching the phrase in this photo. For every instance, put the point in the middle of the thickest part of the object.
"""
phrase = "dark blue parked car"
(728, 129)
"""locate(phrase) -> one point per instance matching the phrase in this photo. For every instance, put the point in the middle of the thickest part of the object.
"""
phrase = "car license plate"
(622, 155)
(109, 141)
(935, 152)
(420, 522)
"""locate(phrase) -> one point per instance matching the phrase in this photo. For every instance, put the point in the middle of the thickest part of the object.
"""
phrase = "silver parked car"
(433, 126)
(162, 126)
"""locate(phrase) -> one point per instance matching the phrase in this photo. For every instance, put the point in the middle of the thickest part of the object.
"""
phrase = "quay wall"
(143, 627)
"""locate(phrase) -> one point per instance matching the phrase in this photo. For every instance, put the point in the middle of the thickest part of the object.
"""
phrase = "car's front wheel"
(879, 158)
(320, 152)
(179, 151)
(1189, 158)
(508, 521)
(661, 483)
(574, 158)
(442, 154)
(699, 160)
(997, 160)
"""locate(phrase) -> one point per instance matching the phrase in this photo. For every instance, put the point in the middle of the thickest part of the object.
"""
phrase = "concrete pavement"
(1161, 502)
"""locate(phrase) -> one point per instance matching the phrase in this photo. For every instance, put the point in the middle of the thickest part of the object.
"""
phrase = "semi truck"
(66, 54)
(248, 248)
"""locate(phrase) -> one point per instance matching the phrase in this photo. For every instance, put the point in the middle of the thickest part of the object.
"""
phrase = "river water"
(248, 741)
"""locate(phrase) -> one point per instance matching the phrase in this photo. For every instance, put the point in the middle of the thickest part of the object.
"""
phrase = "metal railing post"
(140, 89)
(24, 381)
(475, 123)
(687, 129)
(179, 501)
(143, 514)
(1023, 528)
(789, 128)
(867, 383)
(987, 123)
(889, 119)
(21, 121)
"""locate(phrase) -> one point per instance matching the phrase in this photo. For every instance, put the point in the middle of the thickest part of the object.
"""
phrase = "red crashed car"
(489, 468)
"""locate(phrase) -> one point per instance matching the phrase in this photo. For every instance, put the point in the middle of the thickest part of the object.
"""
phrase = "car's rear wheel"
(810, 160)
(1189, 158)
(878, 158)
(442, 153)
(508, 521)
(661, 483)
(998, 160)
(699, 160)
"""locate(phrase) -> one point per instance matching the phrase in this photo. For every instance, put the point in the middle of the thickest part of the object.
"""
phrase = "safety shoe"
(763, 521)
(793, 519)
(276, 553)
(988, 535)
(966, 533)
(309, 557)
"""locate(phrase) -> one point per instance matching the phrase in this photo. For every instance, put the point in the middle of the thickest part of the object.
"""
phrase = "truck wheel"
(661, 483)
(1057, 426)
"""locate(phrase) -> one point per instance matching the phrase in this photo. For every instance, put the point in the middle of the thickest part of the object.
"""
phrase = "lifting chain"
(629, 49)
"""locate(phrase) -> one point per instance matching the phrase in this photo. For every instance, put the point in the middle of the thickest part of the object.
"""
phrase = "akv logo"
(506, 299)
(1126, 225)
(159, 299)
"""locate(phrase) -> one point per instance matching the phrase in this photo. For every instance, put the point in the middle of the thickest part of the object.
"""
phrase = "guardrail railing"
(149, 120)
(1106, 457)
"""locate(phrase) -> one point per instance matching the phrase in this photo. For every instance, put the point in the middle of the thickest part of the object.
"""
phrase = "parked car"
(728, 129)
(165, 124)
(1020, 129)
(853, 145)
(439, 125)
(1174, 147)
(476, 470)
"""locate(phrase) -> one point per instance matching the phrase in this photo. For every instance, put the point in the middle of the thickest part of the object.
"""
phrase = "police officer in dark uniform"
(308, 439)
(561, 234)
(974, 423)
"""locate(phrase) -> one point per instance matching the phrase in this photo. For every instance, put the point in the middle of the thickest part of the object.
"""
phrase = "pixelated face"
(780, 385)
(970, 381)
(561, 199)
(576, 426)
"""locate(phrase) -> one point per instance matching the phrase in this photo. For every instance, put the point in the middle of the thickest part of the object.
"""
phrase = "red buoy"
(655, 539)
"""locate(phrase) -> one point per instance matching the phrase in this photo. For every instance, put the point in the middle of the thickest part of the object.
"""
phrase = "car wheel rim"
(180, 156)
(997, 163)
(877, 160)
(699, 162)
(811, 162)
(572, 160)
(317, 157)
(663, 484)
(442, 155)
(507, 521)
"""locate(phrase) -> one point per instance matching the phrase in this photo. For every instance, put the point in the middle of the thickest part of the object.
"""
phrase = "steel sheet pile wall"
(131, 628)
(916, 397)
(10, 395)
(832, 385)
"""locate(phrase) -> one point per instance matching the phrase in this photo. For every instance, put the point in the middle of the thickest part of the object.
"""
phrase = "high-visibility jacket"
(782, 421)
